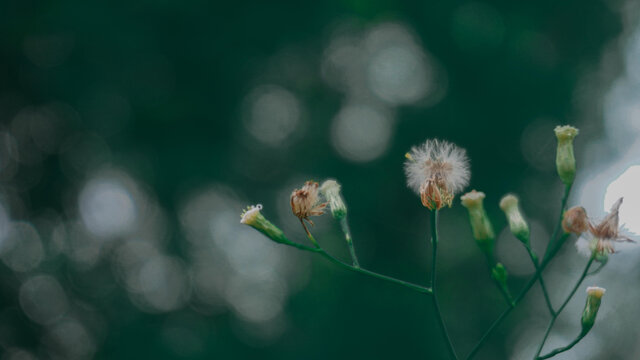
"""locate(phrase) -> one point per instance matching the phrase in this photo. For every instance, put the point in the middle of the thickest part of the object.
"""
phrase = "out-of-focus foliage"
(132, 134)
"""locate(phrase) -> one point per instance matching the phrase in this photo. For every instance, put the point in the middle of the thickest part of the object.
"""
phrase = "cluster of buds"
(305, 202)
(437, 171)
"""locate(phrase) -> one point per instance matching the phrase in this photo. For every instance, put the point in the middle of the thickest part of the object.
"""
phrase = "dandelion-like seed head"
(437, 170)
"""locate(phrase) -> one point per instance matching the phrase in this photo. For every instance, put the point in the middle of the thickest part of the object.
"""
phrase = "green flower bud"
(565, 160)
(517, 224)
(499, 274)
(331, 191)
(254, 218)
(480, 224)
(594, 297)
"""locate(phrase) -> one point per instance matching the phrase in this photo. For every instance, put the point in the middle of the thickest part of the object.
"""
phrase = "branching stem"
(552, 249)
(564, 304)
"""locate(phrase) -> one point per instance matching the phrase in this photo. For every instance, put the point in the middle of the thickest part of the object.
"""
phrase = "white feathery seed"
(585, 245)
(437, 157)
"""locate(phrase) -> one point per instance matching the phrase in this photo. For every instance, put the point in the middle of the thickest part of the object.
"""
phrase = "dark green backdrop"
(156, 89)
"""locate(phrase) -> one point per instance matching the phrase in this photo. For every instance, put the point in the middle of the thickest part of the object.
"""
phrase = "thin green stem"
(564, 304)
(321, 251)
(565, 197)
(347, 235)
(552, 250)
(421, 289)
(547, 299)
(564, 348)
(544, 338)
(434, 243)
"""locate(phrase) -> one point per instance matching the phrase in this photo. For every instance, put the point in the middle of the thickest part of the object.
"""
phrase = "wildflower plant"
(439, 170)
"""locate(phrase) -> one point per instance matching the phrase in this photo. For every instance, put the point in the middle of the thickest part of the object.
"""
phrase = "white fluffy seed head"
(437, 158)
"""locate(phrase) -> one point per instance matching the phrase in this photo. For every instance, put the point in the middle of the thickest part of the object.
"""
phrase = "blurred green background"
(133, 133)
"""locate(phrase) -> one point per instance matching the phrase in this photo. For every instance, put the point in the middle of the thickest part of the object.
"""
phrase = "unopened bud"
(331, 191)
(565, 160)
(480, 224)
(517, 224)
(575, 220)
(254, 218)
(594, 297)
(499, 274)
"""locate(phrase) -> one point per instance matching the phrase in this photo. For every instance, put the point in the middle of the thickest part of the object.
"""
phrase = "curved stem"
(434, 243)
(564, 348)
(421, 289)
(564, 304)
(347, 235)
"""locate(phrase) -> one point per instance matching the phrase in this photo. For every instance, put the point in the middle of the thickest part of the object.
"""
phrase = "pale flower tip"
(331, 191)
(408, 157)
(329, 186)
(508, 202)
(249, 215)
(472, 198)
(566, 132)
(596, 291)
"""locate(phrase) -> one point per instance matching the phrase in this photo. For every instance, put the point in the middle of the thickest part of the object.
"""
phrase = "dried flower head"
(575, 220)
(600, 239)
(305, 202)
(437, 170)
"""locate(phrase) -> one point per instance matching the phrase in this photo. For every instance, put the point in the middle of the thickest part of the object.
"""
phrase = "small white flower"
(437, 170)
(250, 214)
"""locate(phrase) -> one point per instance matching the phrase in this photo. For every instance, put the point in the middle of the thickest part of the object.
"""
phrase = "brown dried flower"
(604, 235)
(575, 220)
(305, 202)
